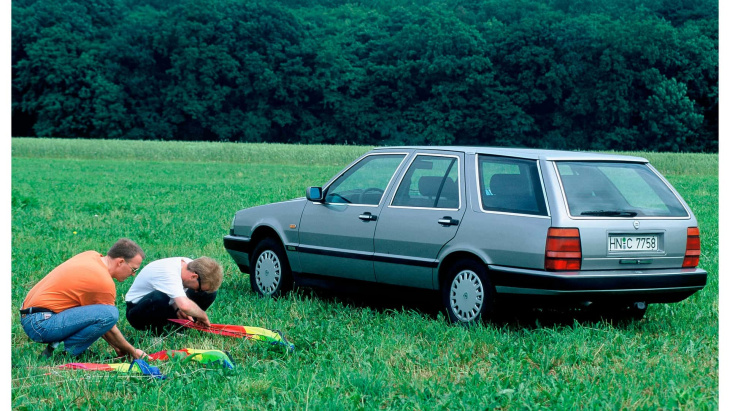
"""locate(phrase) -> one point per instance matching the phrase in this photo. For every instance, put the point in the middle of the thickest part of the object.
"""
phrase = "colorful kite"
(205, 357)
(134, 367)
(239, 331)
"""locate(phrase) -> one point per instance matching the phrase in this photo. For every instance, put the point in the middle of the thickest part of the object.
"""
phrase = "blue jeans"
(77, 327)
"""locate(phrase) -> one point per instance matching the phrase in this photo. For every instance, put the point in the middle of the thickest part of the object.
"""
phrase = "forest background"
(578, 74)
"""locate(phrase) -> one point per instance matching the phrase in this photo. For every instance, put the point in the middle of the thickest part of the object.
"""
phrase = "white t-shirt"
(160, 275)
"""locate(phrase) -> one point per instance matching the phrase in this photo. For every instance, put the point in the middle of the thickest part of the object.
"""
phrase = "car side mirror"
(314, 194)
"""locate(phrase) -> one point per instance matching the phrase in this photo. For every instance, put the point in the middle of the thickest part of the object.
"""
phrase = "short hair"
(125, 248)
(209, 271)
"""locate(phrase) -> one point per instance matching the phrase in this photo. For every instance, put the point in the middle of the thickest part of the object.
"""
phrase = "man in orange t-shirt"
(74, 303)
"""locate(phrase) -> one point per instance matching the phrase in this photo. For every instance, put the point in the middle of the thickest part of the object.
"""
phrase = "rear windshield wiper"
(610, 213)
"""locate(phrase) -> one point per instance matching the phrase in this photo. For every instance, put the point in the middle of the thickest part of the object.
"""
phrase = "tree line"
(589, 74)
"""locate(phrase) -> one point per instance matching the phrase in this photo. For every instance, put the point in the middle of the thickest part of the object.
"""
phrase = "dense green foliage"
(377, 350)
(613, 74)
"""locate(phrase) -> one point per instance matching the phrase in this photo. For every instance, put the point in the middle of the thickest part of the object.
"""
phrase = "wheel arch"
(452, 259)
(264, 231)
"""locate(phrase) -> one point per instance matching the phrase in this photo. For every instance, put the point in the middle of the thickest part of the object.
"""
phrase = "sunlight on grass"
(178, 198)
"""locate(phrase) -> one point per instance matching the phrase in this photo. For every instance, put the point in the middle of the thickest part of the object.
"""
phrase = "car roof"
(532, 153)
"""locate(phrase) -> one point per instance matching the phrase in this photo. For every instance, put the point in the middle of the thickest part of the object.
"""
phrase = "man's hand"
(136, 355)
(181, 315)
(191, 311)
(203, 321)
(121, 346)
(139, 354)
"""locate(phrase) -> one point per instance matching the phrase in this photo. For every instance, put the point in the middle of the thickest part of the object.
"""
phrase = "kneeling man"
(74, 303)
(175, 287)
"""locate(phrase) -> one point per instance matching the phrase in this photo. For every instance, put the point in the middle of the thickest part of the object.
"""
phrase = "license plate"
(631, 243)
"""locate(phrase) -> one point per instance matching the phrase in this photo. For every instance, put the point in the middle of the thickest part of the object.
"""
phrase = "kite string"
(161, 339)
(52, 371)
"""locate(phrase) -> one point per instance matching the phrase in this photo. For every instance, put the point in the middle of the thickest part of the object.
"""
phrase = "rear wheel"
(270, 273)
(622, 312)
(467, 294)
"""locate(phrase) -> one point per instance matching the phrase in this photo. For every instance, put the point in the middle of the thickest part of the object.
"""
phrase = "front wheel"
(467, 294)
(271, 275)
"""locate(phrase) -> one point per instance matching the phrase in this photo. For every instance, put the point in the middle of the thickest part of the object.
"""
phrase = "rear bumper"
(651, 286)
(239, 248)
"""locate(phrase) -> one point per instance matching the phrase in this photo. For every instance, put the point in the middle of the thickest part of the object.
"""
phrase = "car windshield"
(608, 189)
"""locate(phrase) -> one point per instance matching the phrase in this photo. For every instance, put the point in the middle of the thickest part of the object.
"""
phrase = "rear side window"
(430, 182)
(510, 185)
(605, 189)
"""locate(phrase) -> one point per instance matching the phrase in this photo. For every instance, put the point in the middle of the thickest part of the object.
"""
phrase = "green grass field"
(354, 351)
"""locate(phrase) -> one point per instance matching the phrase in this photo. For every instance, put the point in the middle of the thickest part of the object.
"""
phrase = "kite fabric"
(239, 331)
(134, 367)
(205, 357)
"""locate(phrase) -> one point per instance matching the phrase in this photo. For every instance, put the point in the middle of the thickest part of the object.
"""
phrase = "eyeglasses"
(134, 270)
(200, 286)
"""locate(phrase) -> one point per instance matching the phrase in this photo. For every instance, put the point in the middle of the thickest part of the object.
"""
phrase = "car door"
(423, 215)
(336, 235)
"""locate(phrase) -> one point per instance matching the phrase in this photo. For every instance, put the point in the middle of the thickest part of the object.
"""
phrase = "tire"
(270, 272)
(622, 313)
(467, 294)
(636, 313)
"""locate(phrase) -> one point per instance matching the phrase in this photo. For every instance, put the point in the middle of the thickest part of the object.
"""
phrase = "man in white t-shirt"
(175, 287)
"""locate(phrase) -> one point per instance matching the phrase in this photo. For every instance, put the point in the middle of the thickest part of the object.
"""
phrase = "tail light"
(692, 255)
(562, 251)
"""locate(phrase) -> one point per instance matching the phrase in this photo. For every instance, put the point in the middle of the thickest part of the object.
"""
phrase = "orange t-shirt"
(81, 280)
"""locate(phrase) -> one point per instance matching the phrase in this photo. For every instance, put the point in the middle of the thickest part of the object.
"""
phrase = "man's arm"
(115, 338)
(190, 309)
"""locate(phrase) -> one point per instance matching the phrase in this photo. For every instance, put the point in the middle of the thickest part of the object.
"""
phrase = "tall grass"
(264, 153)
(355, 350)
(196, 152)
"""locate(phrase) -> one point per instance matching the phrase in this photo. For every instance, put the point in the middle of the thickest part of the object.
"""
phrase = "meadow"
(354, 350)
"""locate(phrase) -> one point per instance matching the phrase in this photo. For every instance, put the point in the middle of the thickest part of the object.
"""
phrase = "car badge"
(636, 224)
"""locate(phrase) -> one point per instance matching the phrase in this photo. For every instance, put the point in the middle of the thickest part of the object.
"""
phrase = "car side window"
(430, 182)
(366, 181)
(510, 185)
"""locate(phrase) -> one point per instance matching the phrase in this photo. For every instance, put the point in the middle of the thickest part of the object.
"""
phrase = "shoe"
(48, 351)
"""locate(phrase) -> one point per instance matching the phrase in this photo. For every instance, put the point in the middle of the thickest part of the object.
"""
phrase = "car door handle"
(448, 221)
(367, 217)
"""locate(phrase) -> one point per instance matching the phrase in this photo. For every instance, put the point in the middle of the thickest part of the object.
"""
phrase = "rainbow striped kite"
(134, 367)
(239, 331)
(205, 357)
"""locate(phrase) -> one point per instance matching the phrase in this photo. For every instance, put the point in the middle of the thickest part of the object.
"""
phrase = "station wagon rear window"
(613, 189)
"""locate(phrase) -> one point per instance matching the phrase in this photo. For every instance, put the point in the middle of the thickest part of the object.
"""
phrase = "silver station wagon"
(483, 226)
